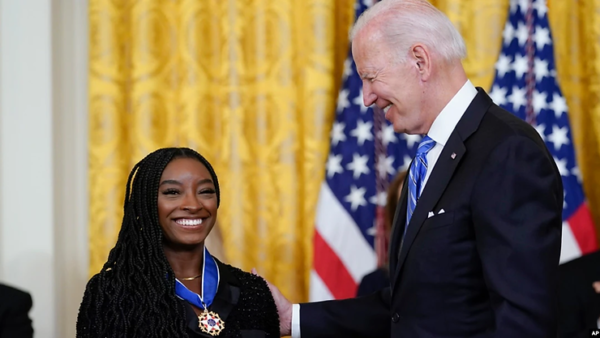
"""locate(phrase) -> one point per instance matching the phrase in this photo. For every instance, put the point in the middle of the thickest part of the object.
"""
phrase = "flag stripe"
(582, 226)
(318, 290)
(569, 246)
(332, 271)
(341, 233)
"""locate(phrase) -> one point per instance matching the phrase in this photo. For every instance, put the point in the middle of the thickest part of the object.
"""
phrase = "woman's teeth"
(189, 221)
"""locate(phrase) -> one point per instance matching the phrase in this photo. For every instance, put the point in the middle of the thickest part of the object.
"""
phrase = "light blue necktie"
(416, 176)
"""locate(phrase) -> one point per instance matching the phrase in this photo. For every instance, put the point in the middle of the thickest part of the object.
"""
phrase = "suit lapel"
(399, 223)
(444, 169)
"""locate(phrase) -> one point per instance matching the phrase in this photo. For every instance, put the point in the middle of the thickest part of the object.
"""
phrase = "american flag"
(526, 85)
(365, 154)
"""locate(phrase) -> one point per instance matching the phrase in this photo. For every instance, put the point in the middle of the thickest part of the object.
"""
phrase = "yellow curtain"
(251, 84)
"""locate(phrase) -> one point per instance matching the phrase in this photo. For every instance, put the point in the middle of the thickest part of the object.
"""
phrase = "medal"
(209, 321)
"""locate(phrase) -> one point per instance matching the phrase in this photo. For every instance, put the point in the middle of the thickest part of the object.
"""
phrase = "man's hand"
(284, 308)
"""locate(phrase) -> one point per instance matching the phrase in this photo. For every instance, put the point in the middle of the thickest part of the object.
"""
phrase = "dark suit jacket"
(488, 265)
(14, 313)
(374, 281)
(579, 303)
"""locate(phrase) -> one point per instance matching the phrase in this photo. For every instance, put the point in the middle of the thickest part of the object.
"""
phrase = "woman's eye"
(207, 191)
(170, 192)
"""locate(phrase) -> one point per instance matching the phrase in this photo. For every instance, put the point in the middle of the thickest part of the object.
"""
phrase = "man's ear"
(422, 60)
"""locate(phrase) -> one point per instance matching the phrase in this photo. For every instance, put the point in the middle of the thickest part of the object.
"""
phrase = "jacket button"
(395, 317)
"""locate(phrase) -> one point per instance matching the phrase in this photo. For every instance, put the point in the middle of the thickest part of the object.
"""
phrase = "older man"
(477, 231)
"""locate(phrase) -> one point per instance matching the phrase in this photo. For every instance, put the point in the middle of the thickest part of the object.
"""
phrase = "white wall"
(43, 159)
(70, 139)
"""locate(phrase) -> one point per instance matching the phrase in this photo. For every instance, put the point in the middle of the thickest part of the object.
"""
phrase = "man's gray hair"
(406, 22)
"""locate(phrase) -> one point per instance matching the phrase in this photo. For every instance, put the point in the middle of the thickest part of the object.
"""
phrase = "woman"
(159, 280)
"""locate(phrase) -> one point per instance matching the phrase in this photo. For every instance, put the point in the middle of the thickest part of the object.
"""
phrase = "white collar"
(446, 121)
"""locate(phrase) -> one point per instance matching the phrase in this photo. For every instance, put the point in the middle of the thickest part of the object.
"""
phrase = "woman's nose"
(191, 203)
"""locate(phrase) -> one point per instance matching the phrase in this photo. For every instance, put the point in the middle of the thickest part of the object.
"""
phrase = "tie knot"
(425, 145)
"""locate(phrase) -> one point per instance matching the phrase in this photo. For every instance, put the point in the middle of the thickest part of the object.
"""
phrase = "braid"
(134, 294)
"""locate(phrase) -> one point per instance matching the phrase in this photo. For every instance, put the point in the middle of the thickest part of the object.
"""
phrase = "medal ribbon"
(210, 284)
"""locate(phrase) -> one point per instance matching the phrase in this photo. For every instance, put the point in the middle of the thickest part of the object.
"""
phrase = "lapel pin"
(453, 156)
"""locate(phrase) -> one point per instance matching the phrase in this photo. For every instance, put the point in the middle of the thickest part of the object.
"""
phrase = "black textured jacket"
(243, 301)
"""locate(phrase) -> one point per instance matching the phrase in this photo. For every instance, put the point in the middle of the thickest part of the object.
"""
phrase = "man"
(477, 231)
(14, 308)
(579, 296)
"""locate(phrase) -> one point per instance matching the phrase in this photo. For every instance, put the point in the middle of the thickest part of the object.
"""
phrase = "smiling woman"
(160, 280)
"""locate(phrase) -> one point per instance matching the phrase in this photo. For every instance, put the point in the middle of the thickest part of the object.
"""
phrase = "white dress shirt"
(445, 122)
(440, 131)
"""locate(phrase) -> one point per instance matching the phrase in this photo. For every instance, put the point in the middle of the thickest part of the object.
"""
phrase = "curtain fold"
(252, 85)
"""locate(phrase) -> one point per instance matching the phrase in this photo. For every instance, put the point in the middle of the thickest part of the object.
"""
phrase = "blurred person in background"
(14, 313)
(579, 296)
(380, 278)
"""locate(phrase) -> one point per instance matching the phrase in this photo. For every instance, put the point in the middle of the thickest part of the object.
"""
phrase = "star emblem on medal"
(211, 323)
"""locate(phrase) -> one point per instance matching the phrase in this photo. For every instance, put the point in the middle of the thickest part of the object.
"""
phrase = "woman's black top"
(243, 301)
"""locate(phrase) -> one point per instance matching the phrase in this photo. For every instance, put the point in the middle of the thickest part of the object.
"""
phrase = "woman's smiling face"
(187, 203)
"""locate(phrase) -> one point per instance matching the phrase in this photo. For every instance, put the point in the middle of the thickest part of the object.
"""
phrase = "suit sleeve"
(367, 316)
(517, 213)
(17, 322)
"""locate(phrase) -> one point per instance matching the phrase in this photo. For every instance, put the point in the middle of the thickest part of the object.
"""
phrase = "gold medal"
(210, 323)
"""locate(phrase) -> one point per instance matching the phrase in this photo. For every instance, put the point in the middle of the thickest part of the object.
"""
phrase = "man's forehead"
(370, 32)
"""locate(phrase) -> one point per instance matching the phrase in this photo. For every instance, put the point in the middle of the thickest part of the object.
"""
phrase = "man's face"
(394, 87)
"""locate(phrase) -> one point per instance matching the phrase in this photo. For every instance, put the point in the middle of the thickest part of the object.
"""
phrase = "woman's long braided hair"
(134, 294)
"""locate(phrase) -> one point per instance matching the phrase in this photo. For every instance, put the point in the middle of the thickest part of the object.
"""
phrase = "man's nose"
(368, 96)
